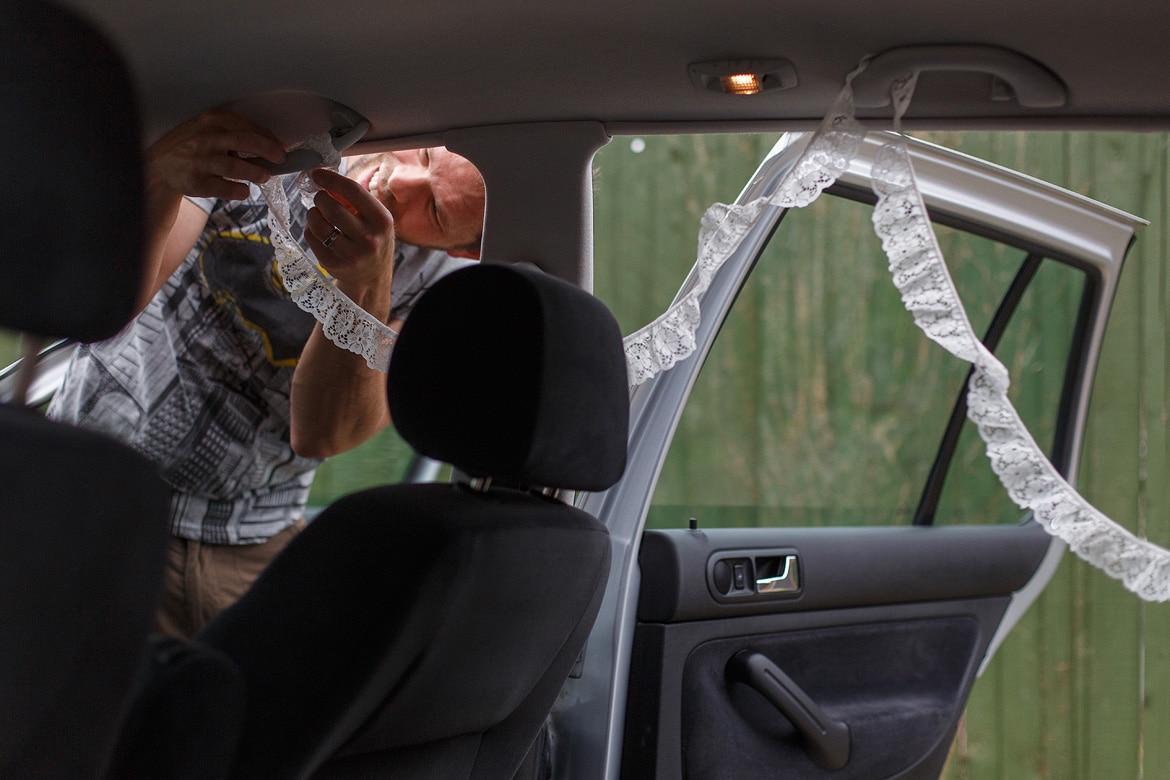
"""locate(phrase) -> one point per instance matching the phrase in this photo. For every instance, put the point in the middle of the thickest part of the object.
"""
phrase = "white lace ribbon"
(656, 347)
(343, 322)
(920, 274)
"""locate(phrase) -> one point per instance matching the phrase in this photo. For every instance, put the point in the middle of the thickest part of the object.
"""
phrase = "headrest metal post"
(548, 492)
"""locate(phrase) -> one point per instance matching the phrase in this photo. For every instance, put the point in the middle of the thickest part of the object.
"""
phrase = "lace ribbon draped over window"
(345, 323)
(920, 274)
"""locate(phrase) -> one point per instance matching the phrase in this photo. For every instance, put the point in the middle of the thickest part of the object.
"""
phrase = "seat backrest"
(82, 518)
(425, 630)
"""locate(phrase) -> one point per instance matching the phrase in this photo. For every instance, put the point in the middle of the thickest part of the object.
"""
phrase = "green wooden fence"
(1081, 688)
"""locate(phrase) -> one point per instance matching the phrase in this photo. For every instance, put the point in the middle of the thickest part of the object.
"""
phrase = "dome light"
(741, 83)
(742, 77)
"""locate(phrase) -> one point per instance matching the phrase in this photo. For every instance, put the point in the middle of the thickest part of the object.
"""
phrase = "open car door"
(812, 559)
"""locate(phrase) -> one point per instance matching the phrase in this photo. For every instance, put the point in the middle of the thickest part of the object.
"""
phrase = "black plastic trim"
(841, 567)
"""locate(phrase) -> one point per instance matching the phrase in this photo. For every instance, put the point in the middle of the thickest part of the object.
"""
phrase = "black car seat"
(82, 518)
(424, 630)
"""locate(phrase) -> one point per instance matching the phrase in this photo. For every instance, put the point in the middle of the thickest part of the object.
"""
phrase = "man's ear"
(468, 254)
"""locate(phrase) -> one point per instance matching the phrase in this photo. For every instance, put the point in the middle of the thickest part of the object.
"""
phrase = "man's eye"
(426, 156)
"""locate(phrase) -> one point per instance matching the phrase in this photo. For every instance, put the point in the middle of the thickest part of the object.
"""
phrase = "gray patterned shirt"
(199, 382)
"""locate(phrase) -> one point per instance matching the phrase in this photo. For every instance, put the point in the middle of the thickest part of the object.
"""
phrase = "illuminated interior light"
(743, 76)
(741, 83)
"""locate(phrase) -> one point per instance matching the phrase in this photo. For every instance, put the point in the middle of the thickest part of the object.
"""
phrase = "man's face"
(436, 196)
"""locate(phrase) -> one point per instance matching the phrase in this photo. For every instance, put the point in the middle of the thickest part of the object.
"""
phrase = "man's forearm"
(338, 401)
(173, 225)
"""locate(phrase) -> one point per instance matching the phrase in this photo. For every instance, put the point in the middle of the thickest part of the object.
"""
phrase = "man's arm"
(199, 158)
(338, 401)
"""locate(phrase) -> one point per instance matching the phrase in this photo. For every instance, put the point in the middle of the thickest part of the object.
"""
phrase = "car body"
(530, 92)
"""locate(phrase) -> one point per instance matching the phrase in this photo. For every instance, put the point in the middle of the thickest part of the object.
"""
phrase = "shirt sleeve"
(207, 204)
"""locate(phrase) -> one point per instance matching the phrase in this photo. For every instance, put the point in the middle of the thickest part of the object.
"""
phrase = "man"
(221, 380)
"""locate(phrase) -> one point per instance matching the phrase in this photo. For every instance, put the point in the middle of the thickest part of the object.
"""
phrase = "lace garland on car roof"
(346, 324)
(921, 277)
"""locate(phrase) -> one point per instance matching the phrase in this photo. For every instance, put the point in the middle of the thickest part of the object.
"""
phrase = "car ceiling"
(414, 68)
(547, 82)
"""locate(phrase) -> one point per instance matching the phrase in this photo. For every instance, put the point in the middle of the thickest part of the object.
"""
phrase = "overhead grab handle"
(1033, 85)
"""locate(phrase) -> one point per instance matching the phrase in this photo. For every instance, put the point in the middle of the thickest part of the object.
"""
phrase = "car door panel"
(892, 683)
(884, 635)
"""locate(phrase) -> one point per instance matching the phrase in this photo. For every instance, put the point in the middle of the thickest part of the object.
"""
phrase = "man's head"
(436, 196)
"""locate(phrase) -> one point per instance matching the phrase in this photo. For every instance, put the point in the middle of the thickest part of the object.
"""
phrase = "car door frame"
(589, 719)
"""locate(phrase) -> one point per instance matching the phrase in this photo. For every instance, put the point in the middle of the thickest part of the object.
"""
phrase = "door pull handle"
(785, 581)
(826, 741)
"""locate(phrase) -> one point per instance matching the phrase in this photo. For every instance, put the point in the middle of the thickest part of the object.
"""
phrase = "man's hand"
(198, 158)
(202, 156)
(360, 256)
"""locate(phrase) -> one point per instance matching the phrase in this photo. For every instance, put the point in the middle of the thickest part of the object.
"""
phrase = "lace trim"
(344, 322)
(920, 274)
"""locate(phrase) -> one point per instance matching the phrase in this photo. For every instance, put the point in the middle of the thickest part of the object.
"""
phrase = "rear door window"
(821, 403)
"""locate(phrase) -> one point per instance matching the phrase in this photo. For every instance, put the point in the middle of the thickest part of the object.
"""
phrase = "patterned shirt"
(199, 382)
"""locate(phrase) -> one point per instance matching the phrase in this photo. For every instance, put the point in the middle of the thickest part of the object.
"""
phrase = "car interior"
(531, 617)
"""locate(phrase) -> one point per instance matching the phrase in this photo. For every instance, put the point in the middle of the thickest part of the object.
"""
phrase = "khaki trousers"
(204, 579)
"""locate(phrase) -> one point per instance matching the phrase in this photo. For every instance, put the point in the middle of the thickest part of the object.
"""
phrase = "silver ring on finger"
(329, 239)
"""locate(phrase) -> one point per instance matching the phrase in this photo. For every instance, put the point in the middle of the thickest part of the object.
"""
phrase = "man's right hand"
(199, 158)
(202, 156)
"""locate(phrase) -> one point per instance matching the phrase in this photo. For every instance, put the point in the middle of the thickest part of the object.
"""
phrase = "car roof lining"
(413, 69)
(424, 75)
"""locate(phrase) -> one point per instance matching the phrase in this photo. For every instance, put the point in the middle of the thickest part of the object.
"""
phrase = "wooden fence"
(1081, 689)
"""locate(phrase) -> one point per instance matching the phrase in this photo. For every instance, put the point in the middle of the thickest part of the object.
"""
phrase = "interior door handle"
(826, 741)
(786, 580)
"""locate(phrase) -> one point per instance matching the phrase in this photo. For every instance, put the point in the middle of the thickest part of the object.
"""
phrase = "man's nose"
(408, 183)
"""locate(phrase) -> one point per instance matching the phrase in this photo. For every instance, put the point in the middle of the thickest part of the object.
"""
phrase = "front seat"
(82, 517)
(424, 630)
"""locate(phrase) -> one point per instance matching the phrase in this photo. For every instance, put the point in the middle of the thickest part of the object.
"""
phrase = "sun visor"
(296, 117)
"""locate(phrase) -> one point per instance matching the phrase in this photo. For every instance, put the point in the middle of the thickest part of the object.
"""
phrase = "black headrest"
(509, 373)
(70, 161)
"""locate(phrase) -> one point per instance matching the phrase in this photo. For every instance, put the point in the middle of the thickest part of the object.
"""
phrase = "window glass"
(822, 403)
(1035, 349)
